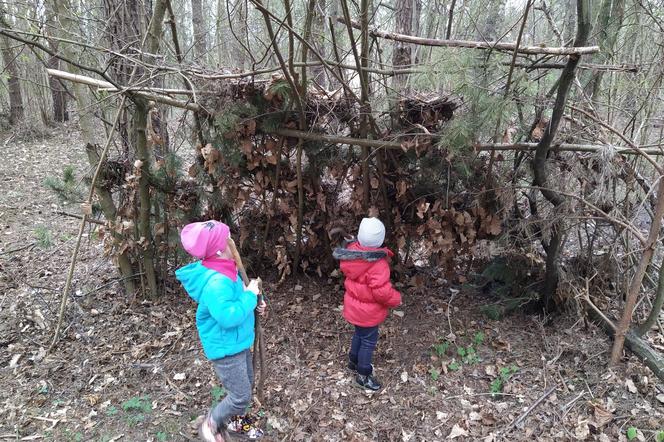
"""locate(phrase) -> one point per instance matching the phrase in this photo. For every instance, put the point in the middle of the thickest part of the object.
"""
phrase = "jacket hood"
(194, 277)
(350, 251)
(356, 260)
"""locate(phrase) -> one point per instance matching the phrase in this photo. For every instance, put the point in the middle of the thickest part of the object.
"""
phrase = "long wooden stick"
(384, 144)
(578, 50)
(108, 86)
(622, 327)
(81, 229)
(259, 347)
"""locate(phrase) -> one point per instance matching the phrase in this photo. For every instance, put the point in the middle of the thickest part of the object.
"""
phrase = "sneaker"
(209, 430)
(244, 427)
(369, 382)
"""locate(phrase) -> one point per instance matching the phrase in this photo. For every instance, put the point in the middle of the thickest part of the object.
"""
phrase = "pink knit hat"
(204, 239)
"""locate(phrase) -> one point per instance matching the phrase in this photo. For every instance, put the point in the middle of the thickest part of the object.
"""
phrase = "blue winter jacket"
(225, 313)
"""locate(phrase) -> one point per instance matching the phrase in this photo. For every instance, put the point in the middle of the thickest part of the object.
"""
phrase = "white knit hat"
(371, 233)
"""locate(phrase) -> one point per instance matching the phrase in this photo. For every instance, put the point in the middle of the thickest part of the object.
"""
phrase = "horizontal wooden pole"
(390, 144)
(477, 44)
(313, 136)
(299, 64)
(63, 75)
(586, 66)
(154, 90)
(334, 139)
(565, 147)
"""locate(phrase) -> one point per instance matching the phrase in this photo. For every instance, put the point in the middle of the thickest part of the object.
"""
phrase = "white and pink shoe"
(209, 430)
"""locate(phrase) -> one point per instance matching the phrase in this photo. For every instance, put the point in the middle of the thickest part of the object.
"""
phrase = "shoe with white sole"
(208, 431)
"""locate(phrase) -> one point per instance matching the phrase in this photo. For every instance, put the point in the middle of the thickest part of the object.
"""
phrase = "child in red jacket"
(369, 295)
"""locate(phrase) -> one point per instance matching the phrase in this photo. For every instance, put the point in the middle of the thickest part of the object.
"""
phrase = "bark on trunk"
(58, 12)
(608, 27)
(16, 111)
(402, 52)
(199, 31)
(318, 34)
(58, 92)
(241, 33)
(541, 180)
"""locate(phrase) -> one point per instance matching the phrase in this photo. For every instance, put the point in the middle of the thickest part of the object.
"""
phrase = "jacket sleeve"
(378, 279)
(228, 312)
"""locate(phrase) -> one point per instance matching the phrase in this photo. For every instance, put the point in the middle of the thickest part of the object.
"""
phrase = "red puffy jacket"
(369, 293)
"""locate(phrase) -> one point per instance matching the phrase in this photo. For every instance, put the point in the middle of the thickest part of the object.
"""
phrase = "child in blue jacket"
(225, 323)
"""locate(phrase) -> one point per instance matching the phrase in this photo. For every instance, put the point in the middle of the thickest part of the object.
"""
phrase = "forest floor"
(133, 370)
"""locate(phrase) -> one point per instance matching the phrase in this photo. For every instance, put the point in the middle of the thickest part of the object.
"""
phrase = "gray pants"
(236, 374)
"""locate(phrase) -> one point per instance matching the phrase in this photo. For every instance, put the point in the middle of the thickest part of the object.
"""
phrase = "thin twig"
(29, 246)
(525, 414)
(73, 215)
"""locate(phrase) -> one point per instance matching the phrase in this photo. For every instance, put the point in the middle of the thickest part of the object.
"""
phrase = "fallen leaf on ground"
(581, 432)
(602, 416)
(456, 432)
(630, 386)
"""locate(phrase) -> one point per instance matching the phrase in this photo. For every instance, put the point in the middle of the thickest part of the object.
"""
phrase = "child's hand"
(253, 287)
(262, 308)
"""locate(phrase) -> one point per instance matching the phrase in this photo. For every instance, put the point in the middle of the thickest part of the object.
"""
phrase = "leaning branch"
(511, 47)
(650, 357)
(109, 87)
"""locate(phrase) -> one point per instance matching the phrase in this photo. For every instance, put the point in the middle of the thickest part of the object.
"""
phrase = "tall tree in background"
(318, 41)
(402, 53)
(13, 85)
(199, 31)
(58, 91)
(607, 29)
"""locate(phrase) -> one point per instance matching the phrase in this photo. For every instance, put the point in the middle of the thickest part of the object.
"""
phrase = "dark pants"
(362, 347)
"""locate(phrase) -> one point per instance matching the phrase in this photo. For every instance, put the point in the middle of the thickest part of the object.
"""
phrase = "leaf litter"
(127, 370)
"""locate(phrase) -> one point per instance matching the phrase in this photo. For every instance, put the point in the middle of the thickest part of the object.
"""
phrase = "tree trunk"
(140, 142)
(125, 25)
(58, 92)
(241, 29)
(608, 27)
(220, 35)
(110, 213)
(318, 34)
(13, 85)
(553, 248)
(59, 13)
(402, 52)
(199, 32)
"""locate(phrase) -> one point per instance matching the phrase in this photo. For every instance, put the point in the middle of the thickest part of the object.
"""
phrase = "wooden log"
(511, 47)
(651, 358)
